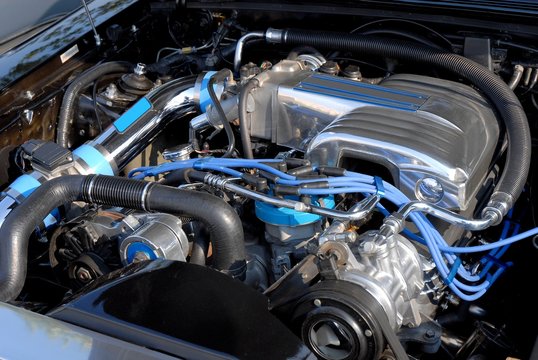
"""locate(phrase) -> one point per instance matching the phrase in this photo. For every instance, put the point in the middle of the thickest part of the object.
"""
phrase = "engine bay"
(371, 178)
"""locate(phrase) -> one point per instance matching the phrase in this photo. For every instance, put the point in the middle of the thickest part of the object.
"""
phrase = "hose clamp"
(201, 95)
(275, 36)
(144, 196)
(90, 188)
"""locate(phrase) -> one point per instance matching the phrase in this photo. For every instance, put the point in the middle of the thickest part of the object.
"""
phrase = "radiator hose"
(219, 218)
(502, 97)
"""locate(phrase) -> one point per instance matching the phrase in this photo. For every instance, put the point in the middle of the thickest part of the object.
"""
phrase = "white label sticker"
(69, 53)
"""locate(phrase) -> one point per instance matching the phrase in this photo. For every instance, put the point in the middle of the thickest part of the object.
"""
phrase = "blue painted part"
(360, 96)
(453, 271)
(25, 184)
(137, 247)
(205, 100)
(370, 86)
(141, 107)
(364, 98)
(95, 160)
(289, 217)
(50, 220)
(379, 186)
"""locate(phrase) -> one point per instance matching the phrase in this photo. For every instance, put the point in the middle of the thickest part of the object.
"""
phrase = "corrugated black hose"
(219, 218)
(69, 101)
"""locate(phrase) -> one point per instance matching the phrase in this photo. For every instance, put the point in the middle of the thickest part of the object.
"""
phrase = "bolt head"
(83, 275)
(430, 334)
(28, 116)
(140, 69)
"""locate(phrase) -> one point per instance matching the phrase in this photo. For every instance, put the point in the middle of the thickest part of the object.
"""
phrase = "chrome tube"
(241, 43)
(111, 151)
(447, 215)
(171, 101)
(337, 231)
(516, 77)
(96, 35)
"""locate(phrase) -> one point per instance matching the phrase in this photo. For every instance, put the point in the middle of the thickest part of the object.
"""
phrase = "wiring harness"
(469, 281)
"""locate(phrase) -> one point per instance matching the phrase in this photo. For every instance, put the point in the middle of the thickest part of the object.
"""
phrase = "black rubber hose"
(175, 178)
(243, 117)
(199, 248)
(227, 127)
(219, 218)
(505, 101)
(73, 91)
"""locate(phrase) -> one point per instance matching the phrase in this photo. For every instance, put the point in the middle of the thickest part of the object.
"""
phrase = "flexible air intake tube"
(221, 221)
(69, 101)
(503, 98)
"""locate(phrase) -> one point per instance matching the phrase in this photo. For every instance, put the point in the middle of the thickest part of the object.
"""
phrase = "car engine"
(369, 183)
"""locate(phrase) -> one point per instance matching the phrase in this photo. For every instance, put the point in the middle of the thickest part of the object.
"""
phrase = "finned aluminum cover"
(423, 128)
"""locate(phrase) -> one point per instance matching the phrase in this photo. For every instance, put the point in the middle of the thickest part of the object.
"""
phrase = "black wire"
(95, 104)
(222, 115)
(533, 100)
(517, 46)
(219, 53)
(171, 33)
(124, 47)
(19, 159)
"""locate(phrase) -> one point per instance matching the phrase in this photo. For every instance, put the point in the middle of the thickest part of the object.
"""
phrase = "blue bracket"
(205, 99)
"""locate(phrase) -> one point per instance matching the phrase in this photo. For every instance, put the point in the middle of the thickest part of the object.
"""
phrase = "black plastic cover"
(185, 310)
(47, 154)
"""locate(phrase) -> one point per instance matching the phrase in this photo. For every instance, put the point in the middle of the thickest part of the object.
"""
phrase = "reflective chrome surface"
(169, 102)
(162, 233)
(390, 269)
(241, 43)
(448, 216)
(423, 130)
(450, 138)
